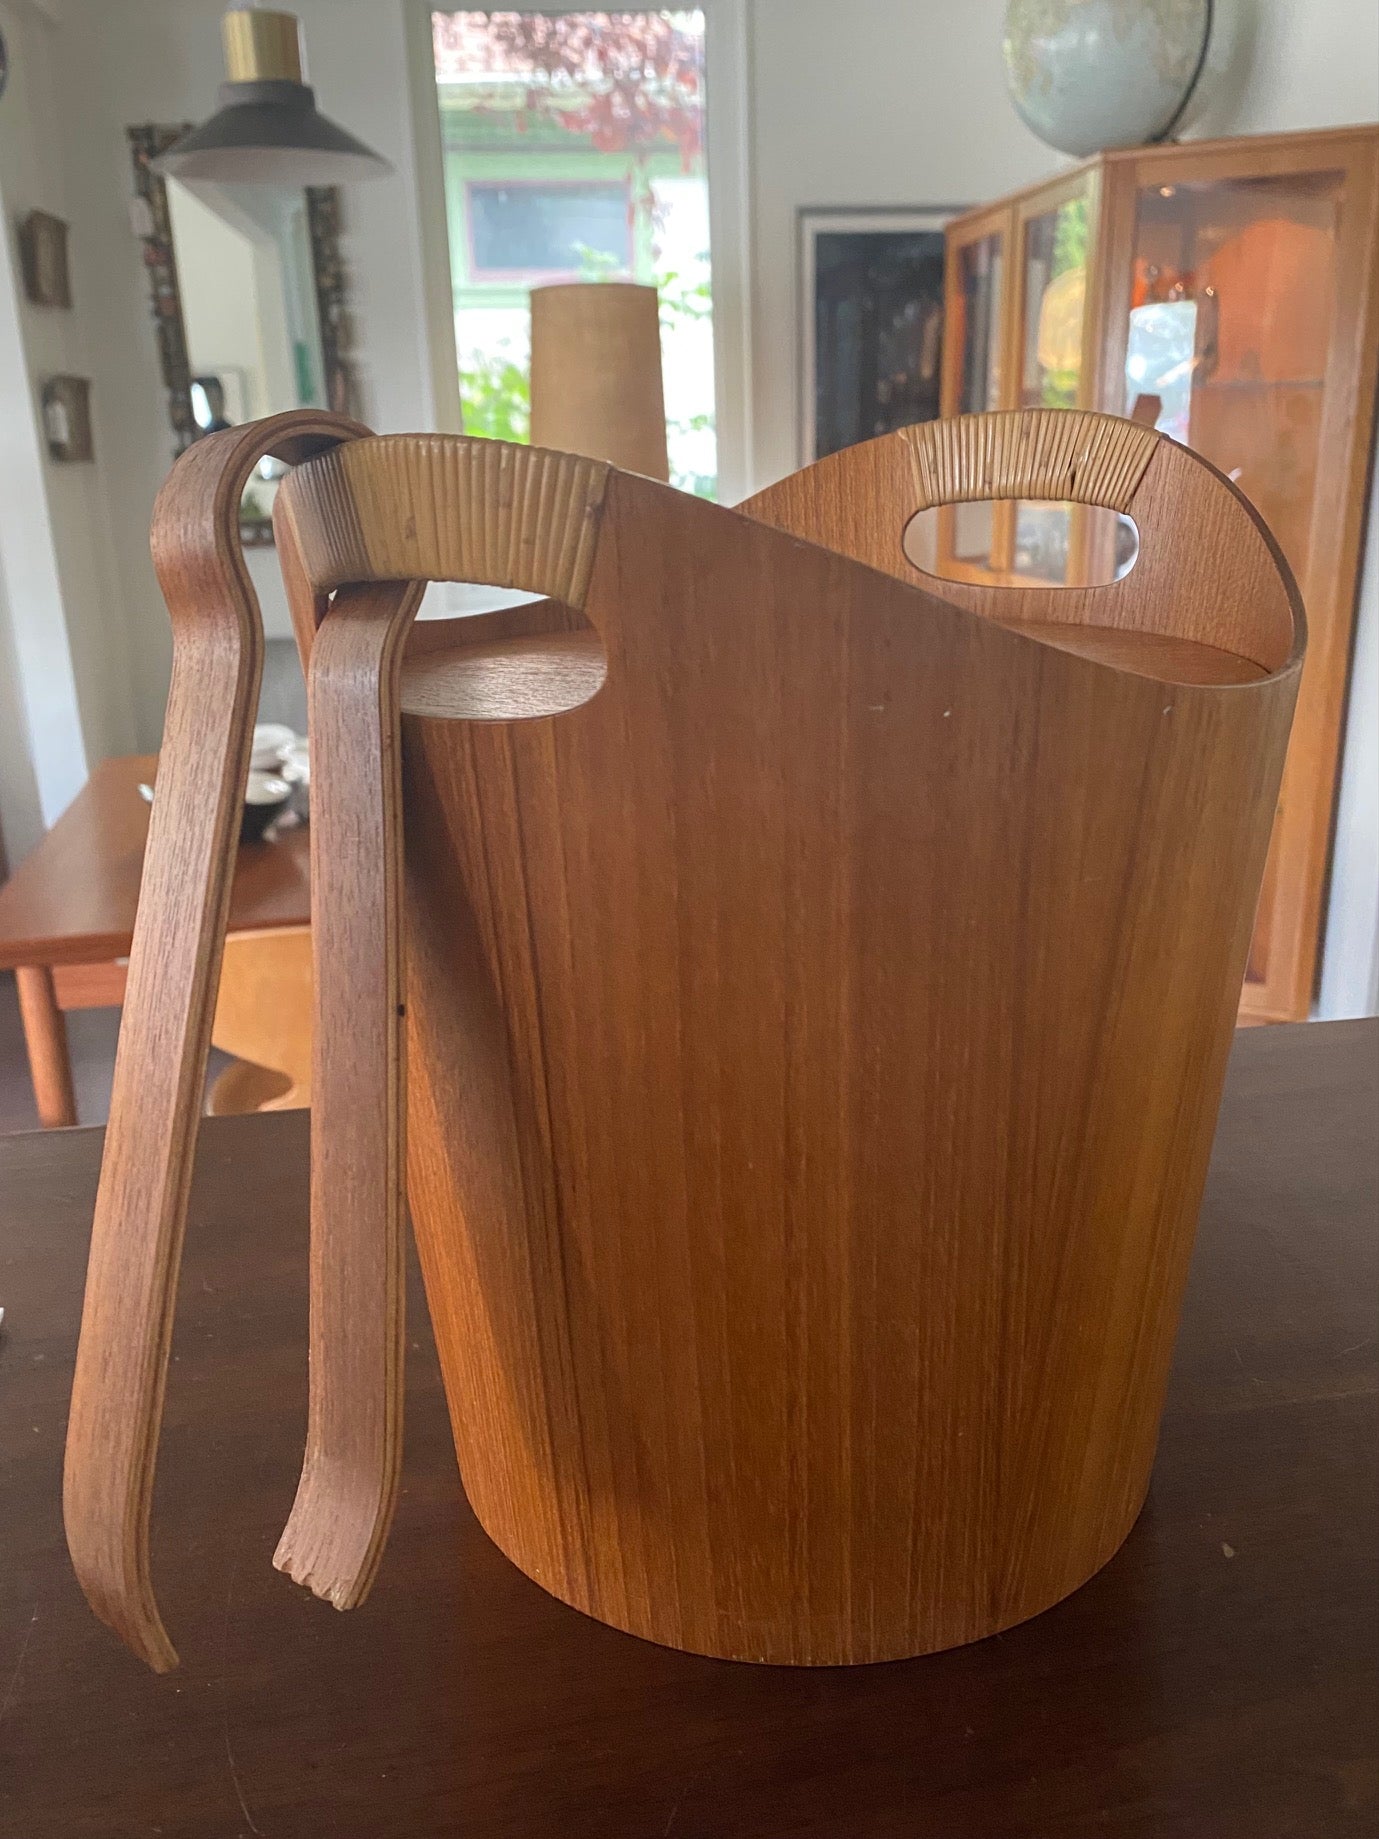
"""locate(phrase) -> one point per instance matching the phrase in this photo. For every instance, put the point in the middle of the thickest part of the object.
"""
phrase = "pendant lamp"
(267, 129)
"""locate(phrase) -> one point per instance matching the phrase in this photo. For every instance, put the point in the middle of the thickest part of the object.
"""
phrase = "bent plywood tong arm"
(141, 1204)
(348, 1488)
(373, 525)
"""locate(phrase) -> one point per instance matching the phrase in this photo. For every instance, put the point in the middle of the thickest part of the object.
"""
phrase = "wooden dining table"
(67, 913)
(1215, 1681)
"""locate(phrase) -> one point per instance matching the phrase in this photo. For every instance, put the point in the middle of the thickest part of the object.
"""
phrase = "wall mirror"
(249, 304)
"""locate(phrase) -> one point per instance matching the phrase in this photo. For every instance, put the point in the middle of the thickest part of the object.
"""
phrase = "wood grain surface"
(1208, 573)
(815, 1036)
(432, 508)
(72, 899)
(263, 1016)
(49, 1065)
(1074, 457)
(1214, 1681)
(160, 1065)
(344, 1506)
(810, 1035)
(435, 507)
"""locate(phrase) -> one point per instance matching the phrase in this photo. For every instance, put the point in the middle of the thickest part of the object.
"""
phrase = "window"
(525, 227)
(573, 149)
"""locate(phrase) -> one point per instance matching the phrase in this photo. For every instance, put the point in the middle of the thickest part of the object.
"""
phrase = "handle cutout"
(455, 676)
(1076, 455)
(1022, 543)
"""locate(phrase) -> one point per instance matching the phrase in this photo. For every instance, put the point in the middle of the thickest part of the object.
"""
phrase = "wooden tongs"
(348, 1487)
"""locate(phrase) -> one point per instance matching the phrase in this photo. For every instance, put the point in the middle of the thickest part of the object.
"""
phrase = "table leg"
(45, 1037)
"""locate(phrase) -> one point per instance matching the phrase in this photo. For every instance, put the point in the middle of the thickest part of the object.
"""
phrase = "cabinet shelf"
(1219, 386)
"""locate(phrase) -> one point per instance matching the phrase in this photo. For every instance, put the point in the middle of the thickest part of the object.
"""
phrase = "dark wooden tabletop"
(1215, 1681)
(72, 899)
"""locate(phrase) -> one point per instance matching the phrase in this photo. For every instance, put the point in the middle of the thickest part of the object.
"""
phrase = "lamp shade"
(267, 128)
(596, 374)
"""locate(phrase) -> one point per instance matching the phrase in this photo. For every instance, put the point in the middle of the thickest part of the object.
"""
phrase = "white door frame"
(728, 56)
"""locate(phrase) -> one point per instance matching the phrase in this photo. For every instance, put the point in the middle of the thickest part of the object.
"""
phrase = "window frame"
(728, 150)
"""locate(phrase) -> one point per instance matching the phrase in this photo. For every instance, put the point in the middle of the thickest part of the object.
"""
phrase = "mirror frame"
(153, 225)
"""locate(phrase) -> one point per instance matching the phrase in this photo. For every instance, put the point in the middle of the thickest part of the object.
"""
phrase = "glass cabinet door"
(1053, 253)
(980, 267)
(970, 536)
(1231, 308)
(1232, 314)
(1049, 540)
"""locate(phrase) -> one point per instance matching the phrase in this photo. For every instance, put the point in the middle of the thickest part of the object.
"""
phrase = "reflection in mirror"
(248, 303)
(249, 313)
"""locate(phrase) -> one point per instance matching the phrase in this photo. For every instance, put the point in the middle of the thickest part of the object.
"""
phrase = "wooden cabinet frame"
(1284, 966)
(976, 227)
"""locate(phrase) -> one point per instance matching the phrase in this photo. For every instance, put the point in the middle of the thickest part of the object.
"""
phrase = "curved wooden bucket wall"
(818, 987)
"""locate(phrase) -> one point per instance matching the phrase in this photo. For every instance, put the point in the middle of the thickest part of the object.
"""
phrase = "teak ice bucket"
(810, 983)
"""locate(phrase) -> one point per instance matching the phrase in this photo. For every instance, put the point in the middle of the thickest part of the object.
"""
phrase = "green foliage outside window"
(1070, 233)
(1070, 240)
(495, 394)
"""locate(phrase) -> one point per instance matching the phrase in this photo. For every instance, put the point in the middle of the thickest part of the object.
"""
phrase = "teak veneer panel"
(813, 1036)
(174, 964)
(784, 1363)
(1234, 600)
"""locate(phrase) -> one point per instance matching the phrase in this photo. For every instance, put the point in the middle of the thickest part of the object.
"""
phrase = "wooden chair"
(813, 984)
(263, 1018)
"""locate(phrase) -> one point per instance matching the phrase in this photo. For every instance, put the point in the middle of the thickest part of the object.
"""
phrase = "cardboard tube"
(596, 374)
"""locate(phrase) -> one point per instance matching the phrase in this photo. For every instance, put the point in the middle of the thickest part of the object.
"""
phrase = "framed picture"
(67, 418)
(871, 323)
(43, 259)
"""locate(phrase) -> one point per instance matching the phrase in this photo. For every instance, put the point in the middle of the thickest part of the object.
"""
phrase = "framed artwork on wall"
(870, 322)
(66, 405)
(43, 260)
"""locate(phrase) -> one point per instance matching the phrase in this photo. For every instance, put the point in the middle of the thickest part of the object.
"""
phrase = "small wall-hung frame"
(43, 260)
(67, 418)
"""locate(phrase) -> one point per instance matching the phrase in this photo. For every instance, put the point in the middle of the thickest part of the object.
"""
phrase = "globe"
(1091, 74)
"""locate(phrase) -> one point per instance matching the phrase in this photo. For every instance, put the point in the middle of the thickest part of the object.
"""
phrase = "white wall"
(1299, 64)
(1350, 959)
(876, 102)
(64, 698)
(160, 60)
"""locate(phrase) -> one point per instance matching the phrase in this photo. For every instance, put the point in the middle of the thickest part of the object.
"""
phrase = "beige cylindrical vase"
(596, 374)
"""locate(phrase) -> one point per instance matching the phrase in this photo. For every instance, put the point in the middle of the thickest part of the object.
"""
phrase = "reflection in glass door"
(1232, 299)
(1054, 251)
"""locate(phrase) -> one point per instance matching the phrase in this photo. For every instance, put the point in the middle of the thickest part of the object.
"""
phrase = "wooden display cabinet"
(1228, 291)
